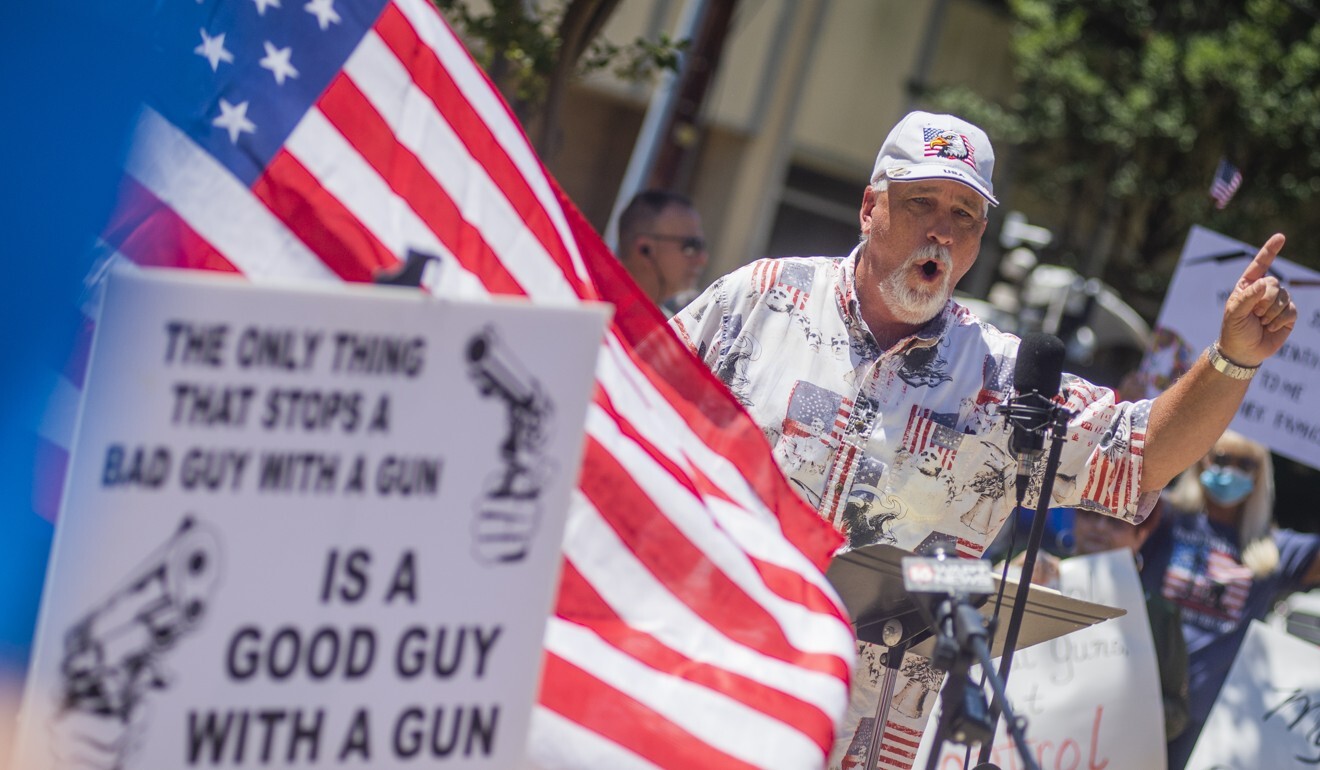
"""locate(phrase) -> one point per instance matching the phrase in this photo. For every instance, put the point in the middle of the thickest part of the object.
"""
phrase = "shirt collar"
(851, 310)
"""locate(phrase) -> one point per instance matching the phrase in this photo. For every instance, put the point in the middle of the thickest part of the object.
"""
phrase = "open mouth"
(930, 269)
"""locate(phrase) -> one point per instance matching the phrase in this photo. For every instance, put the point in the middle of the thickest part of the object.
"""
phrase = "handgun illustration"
(113, 654)
(529, 410)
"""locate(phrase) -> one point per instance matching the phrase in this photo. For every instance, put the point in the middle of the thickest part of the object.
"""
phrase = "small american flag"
(927, 430)
(949, 145)
(1207, 580)
(1226, 182)
(319, 141)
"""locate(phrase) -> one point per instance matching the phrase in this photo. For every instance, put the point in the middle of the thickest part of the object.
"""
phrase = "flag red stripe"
(579, 601)
(431, 77)
(581, 698)
(349, 110)
(320, 221)
(149, 233)
(667, 553)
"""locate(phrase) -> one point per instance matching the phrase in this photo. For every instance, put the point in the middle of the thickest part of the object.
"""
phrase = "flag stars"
(234, 119)
(213, 50)
(277, 61)
(324, 11)
(262, 5)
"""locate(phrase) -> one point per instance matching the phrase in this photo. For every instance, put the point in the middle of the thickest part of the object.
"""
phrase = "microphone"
(1036, 379)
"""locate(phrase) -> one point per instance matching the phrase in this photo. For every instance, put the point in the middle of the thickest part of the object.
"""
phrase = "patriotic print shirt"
(1197, 564)
(902, 445)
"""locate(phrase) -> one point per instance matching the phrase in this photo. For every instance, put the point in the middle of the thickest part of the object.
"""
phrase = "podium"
(870, 582)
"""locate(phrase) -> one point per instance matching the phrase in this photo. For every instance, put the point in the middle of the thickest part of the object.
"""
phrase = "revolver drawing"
(112, 654)
(529, 411)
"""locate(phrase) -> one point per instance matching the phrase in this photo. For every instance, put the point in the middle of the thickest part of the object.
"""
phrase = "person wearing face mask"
(1222, 560)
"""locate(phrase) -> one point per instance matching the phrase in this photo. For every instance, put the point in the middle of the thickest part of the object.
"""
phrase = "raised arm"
(1187, 419)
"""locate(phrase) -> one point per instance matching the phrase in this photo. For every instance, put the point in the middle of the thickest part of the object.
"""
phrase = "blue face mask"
(1226, 485)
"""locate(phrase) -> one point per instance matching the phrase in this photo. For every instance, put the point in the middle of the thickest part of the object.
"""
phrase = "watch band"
(1228, 368)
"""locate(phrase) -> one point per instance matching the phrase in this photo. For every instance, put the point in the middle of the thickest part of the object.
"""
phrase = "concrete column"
(744, 229)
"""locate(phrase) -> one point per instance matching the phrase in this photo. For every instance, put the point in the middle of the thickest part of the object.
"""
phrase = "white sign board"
(1092, 697)
(1267, 714)
(1282, 406)
(307, 528)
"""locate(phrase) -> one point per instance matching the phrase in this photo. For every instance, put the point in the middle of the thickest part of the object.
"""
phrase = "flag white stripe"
(216, 204)
(643, 602)
(715, 719)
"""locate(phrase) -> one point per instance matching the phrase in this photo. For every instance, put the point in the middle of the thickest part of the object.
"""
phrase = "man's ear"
(869, 198)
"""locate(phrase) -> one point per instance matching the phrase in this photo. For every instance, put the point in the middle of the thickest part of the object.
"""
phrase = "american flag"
(321, 140)
(789, 279)
(898, 750)
(1226, 182)
(1207, 580)
(927, 430)
(963, 152)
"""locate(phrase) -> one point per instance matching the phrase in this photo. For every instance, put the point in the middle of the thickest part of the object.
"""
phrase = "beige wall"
(809, 83)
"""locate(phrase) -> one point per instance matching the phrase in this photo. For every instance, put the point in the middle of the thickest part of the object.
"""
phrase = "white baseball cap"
(928, 146)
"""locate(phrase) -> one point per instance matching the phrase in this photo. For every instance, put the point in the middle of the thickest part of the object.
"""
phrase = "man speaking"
(880, 395)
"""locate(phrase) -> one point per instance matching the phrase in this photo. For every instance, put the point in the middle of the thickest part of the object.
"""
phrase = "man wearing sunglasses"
(661, 244)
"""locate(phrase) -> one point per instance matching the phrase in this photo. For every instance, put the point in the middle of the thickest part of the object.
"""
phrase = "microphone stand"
(960, 641)
(1058, 429)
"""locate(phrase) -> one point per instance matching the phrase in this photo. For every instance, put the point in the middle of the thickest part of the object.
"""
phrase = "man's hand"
(1259, 314)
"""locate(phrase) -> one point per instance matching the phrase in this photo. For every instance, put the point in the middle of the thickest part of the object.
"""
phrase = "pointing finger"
(1260, 265)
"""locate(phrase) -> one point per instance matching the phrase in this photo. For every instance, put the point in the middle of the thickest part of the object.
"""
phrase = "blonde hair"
(1260, 554)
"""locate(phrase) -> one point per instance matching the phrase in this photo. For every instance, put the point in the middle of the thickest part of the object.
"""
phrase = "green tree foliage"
(1123, 109)
(532, 49)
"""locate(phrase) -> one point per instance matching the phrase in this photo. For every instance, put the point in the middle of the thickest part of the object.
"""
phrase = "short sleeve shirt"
(902, 445)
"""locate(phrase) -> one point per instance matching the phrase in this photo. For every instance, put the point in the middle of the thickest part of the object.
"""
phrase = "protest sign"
(1282, 407)
(307, 528)
(1268, 711)
(1091, 698)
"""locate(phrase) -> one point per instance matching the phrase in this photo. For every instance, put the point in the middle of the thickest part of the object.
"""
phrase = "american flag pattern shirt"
(897, 446)
(892, 446)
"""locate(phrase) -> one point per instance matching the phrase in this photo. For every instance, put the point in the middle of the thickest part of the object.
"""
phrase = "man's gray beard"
(917, 304)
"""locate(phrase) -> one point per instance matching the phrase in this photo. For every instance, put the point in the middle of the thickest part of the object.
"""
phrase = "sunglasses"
(1247, 464)
(691, 245)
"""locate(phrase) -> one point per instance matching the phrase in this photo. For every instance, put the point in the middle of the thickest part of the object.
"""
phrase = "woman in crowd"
(1218, 555)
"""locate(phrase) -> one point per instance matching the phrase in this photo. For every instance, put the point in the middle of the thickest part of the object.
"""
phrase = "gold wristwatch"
(1227, 367)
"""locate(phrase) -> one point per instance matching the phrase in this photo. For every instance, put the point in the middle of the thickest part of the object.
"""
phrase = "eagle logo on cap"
(940, 143)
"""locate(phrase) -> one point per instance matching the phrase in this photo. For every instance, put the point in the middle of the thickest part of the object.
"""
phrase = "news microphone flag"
(1226, 182)
(323, 140)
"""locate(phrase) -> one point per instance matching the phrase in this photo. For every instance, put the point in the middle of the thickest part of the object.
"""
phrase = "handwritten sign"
(1268, 711)
(1091, 697)
(307, 528)
(1282, 406)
